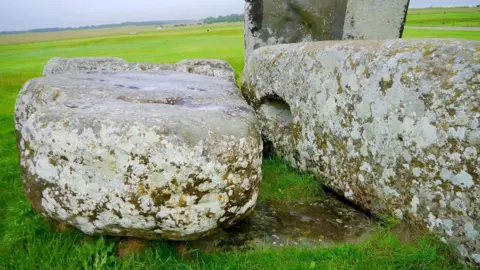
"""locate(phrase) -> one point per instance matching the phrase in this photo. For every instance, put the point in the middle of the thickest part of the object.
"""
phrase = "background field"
(429, 17)
(27, 242)
(48, 36)
(101, 32)
(464, 17)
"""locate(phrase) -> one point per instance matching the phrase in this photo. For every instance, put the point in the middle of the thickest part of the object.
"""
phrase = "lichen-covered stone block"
(150, 67)
(152, 155)
(209, 67)
(59, 65)
(270, 22)
(393, 125)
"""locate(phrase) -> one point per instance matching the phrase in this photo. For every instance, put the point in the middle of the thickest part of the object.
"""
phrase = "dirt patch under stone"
(131, 246)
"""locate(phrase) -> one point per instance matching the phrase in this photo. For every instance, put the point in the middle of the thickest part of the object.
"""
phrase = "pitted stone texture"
(375, 19)
(393, 125)
(59, 65)
(270, 22)
(150, 67)
(152, 155)
(209, 67)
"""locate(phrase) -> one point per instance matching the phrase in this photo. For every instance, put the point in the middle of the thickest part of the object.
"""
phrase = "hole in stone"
(276, 109)
(276, 114)
(268, 149)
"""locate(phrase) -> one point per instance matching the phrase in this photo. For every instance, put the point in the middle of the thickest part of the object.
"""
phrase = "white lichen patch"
(167, 155)
(393, 125)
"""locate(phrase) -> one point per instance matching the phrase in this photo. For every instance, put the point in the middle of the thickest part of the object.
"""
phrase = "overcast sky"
(28, 14)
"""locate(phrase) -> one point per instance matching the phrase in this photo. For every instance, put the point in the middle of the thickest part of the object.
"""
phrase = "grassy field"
(90, 33)
(27, 242)
(38, 37)
(460, 17)
(464, 17)
(420, 33)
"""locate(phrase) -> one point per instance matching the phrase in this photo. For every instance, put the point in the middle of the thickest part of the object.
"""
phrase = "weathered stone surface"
(59, 65)
(394, 125)
(150, 155)
(209, 67)
(270, 22)
(150, 67)
(374, 19)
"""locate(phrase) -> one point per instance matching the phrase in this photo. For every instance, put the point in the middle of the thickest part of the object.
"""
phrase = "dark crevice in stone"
(256, 12)
(402, 27)
(268, 148)
(342, 198)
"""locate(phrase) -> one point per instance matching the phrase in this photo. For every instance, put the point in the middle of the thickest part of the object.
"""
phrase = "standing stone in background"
(393, 125)
(270, 22)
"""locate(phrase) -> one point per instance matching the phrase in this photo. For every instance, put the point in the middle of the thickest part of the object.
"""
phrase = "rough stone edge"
(58, 65)
(252, 95)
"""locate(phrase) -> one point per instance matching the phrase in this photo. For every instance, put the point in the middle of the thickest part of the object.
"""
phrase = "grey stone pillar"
(269, 22)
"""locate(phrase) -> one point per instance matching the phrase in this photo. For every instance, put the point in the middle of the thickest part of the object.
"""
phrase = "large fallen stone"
(152, 155)
(209, 67)
(270, 22)
(393, 125)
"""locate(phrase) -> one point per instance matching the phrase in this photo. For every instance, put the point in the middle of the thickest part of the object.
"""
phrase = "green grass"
(420, 33)
(435, 10)
(27, 242)
(283, 183)
(39, 248)
(464, 17)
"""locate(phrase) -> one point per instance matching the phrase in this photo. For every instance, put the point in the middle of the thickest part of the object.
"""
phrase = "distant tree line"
(177, 23)
(113, 25)
(227, 18)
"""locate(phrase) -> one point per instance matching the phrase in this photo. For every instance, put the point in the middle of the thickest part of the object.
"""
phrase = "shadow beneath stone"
(127, 247)
(324, 222)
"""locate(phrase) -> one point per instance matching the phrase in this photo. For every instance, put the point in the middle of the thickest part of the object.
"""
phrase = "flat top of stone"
(170, 100)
